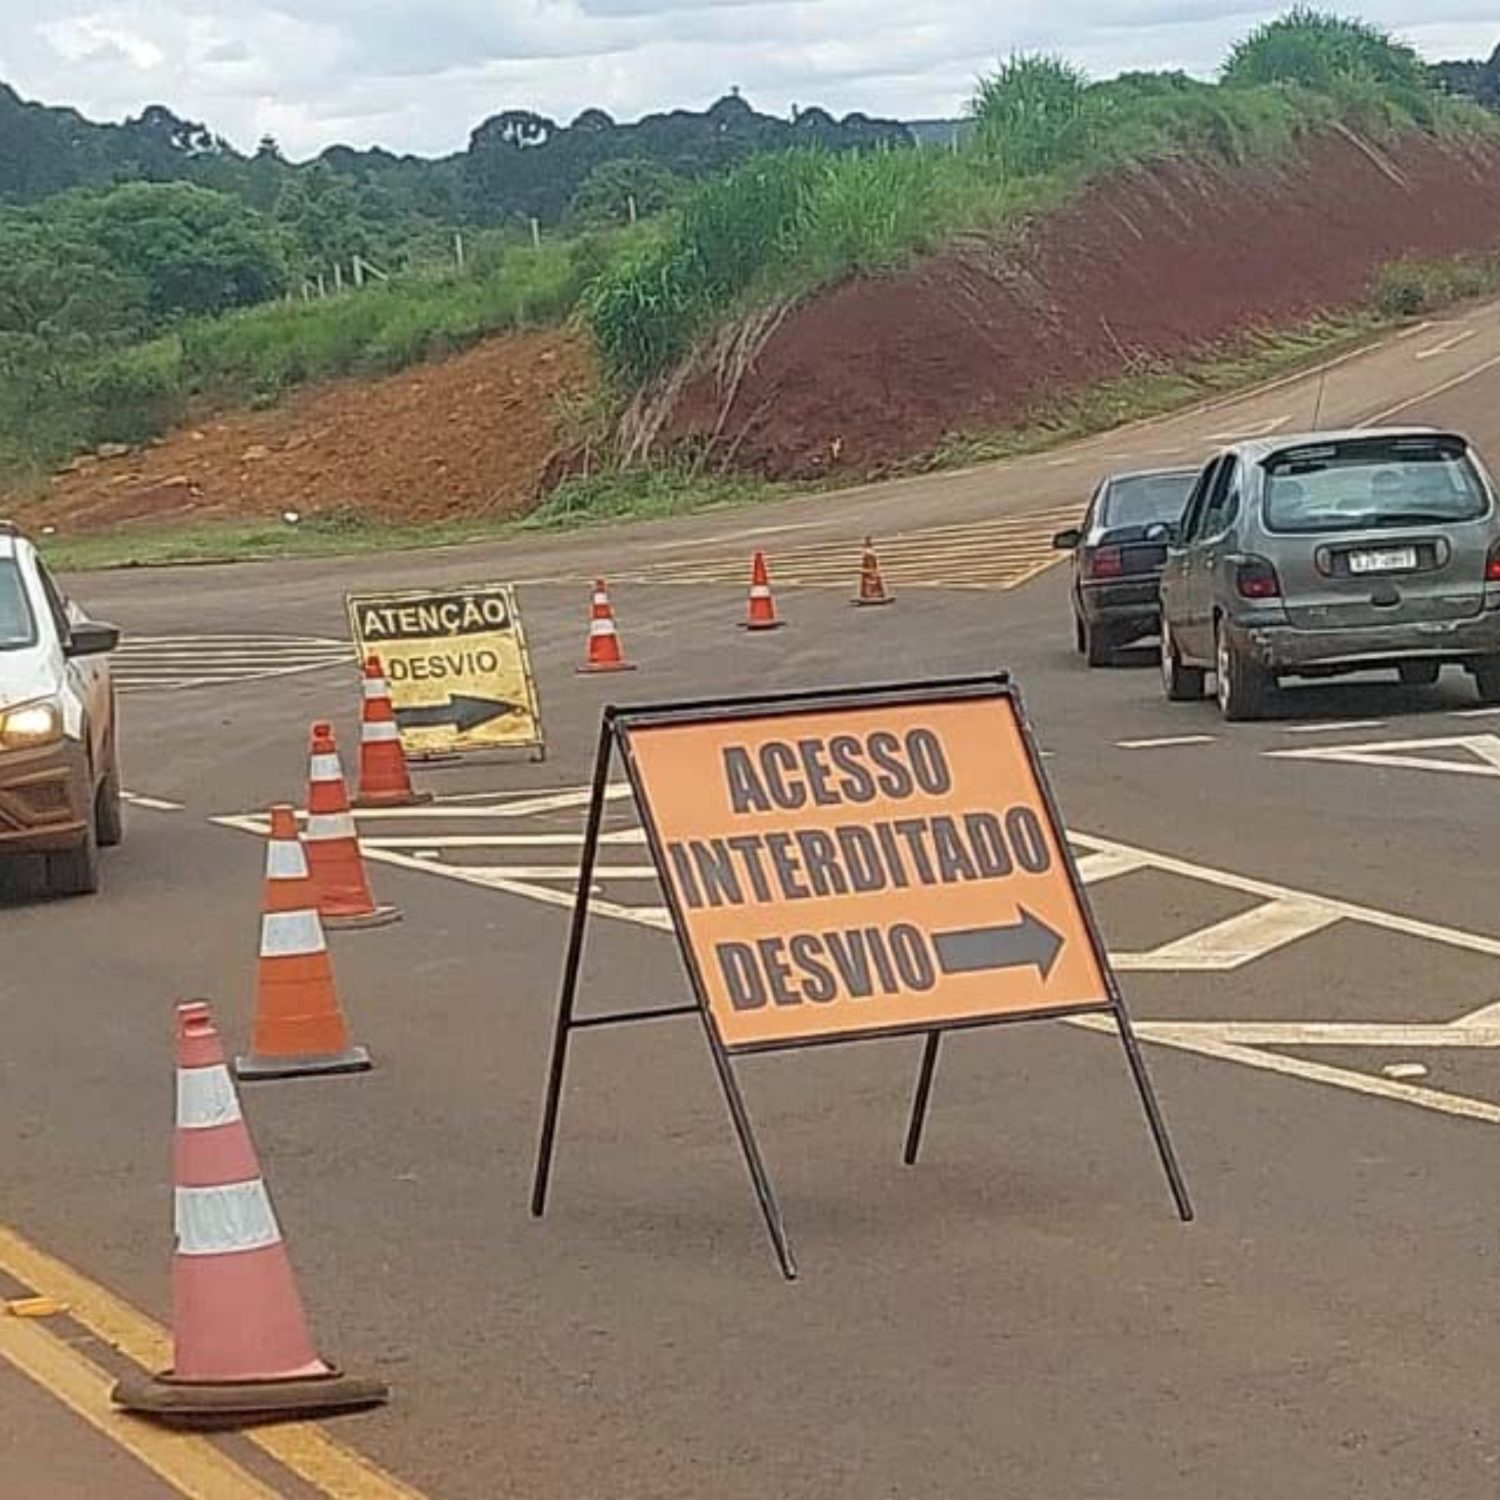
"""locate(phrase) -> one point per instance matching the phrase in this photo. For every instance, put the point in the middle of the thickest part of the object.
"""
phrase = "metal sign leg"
(1154, 1117)
(765, 1193)
(571, 967)
(919, 1100)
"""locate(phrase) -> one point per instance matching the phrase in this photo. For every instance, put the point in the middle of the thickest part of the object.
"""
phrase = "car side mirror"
(1066, 541)
(92, 638)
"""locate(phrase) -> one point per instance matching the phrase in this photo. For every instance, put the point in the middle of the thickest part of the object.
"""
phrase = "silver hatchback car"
(1333, 552)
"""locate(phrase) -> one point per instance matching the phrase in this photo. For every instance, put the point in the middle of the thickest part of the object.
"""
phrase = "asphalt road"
(1294, 906)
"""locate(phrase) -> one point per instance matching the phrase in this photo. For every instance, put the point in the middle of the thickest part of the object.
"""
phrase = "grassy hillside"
(781, 227)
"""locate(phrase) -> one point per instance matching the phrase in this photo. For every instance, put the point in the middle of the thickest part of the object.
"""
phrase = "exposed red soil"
(469, 436)
(1162, 264)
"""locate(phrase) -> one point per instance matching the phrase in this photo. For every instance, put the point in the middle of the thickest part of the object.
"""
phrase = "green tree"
(606, 194)
(320, 212)
(197, 251)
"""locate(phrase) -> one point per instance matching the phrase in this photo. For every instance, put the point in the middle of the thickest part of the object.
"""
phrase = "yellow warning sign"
(861, 869)
(457, 664)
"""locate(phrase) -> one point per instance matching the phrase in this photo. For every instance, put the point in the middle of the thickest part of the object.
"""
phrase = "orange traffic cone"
(332, 844)
(604, 641)
(299, 1027)
(871, 584)
(241, 1346)
(384, 780)
(762, 614)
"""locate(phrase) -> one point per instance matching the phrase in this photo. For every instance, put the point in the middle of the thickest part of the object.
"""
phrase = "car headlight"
(30, 725)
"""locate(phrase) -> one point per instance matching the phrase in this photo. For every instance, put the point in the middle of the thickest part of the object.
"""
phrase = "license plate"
(1386, 560)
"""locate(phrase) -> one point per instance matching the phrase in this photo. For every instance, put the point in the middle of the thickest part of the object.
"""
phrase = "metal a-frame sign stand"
(616, 729)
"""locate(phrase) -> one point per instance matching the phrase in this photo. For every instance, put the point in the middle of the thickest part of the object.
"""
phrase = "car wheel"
(1419, 673)
(1098, 645)
(75, 872)
(1181, 684)
(1080, 637)
(1245, 688)
(109, 813)
(1487, 679)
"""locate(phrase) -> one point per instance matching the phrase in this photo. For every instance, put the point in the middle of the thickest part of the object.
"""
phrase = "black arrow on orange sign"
(1029, 943)
(462, 712)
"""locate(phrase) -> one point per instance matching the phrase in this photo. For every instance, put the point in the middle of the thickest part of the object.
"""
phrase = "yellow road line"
(191, 1465)
(303, 1447)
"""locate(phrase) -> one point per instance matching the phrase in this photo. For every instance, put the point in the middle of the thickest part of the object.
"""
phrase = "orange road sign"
(849, 863)
(857, 869)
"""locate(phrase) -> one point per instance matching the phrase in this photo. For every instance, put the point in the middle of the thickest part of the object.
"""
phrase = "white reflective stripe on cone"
(285, 860)
(601, 627)
(601, 601)
(206, 1098)
(290, 934)
(325, 768)
(329, 826)
(373, 733)
(375, 687)
(221, 1220)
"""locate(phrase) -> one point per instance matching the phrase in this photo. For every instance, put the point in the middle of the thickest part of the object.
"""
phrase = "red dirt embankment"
(1161, 264)
(468, 436)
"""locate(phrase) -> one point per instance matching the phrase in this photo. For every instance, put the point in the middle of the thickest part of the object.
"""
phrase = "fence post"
(338, 277)
(458, 247)
(630, 207)
(536, 234)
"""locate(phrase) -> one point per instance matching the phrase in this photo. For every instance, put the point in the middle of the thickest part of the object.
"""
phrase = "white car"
(59, 753)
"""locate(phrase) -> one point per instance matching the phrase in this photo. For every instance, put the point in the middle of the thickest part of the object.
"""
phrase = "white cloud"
(419, 74)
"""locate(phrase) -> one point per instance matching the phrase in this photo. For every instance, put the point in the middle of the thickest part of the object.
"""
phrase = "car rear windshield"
(1143, 499)
(1365, 483)
(17, 625)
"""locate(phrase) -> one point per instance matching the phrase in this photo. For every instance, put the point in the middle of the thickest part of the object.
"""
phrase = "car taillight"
(1492, 565)
(1106, 562)
(1255, 578)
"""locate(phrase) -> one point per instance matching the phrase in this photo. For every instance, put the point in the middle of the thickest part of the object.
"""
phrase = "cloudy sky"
(417, 75)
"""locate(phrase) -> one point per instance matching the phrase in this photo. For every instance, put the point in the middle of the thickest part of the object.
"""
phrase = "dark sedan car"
(1118, 553)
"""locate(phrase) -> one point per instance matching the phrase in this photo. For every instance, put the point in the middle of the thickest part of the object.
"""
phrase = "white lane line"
(1255, 430)
(1405, 754)
(1349, 724)
(1432, 932)
(1448, 345)
(1474, 713)
(1479, 1020)
(1431, 395)
(1236, 941)
(1167, 742)
(1092, 868)
(438, 841)
(1326, 1033)
(549, 872)
(554, 802)
(1296, 1067)
(737, 536)
(154, 804)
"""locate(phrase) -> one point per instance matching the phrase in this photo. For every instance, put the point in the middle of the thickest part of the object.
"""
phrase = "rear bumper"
(1283, 649)
(45, 798)
(1133, 604)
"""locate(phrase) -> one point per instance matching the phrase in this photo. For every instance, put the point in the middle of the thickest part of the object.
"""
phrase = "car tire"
(75, 872)
(109, 811)
(1181, 684)
(1080, 638)
(1245, 689)
(1487, 679)
(1419, 673)
(1098, 645)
